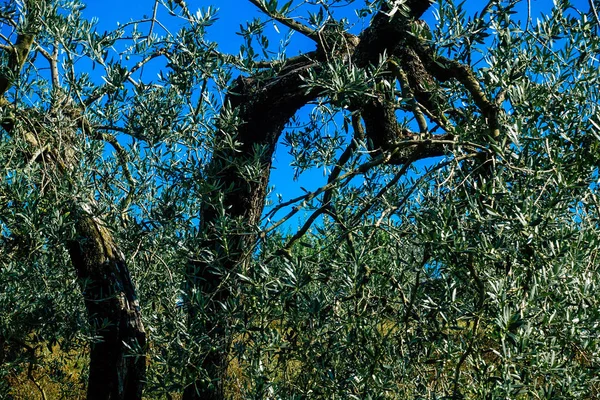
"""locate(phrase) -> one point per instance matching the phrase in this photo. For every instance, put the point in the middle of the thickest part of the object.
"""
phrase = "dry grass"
(56, 375)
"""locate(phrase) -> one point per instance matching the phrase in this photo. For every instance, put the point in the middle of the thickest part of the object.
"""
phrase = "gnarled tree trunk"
(265, 105)
(117, 360)
(259, 131)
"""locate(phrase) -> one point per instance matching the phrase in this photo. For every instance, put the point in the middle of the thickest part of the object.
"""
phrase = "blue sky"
(232, 14)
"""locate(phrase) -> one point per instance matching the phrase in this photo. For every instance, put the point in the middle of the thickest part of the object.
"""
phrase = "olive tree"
(450, 252)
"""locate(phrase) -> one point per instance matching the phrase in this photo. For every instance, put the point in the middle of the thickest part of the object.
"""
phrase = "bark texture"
(264, 109)
(116, 371)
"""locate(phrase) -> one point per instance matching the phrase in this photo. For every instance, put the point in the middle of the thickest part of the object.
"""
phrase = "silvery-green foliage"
(467, 276)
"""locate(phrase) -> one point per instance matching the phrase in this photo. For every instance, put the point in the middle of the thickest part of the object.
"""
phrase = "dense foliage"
(471, 274)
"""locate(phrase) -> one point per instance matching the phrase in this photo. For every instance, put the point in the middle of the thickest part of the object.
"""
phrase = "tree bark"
(264, 109)
(117, 359)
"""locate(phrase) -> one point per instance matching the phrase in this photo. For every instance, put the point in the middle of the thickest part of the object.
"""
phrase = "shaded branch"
(123, 158)
(445, 69)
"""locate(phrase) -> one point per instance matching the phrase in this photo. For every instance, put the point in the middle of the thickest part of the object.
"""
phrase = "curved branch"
(444, 69)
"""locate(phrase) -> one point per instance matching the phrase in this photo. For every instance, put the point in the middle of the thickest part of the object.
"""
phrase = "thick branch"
(109, 296)
(16, 61)
(385, 32)
(53, 61)
(445, 69)
(108, 291)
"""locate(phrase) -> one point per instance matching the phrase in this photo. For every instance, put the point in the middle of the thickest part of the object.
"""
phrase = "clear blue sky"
(232, 14)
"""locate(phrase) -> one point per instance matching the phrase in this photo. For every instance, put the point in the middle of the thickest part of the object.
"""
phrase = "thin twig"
(529, 15)
(154, 11)
(123, 158)
(36, 384)
(383, 191)
(364, 168)
(594, 11)
(358, 134)
(381, 159)
(478, 307)
(35, 155)
(413, 296)
(286, 21)
(437, 167)
(54, 67)
(107, 88)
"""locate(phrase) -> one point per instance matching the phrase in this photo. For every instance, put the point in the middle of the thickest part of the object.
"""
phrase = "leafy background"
(460, 279)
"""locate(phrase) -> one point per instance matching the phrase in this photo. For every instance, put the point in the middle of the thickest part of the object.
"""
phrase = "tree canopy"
(449, 252)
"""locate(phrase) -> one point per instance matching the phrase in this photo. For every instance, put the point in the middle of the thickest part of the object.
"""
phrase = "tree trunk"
(117, 359)
(265, 105)
(259, 131)
(116, 371)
